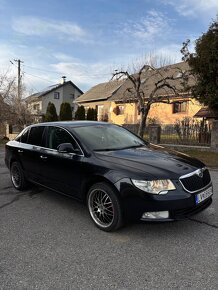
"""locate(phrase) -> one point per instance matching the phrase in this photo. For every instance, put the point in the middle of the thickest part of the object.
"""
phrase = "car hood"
(156, 161)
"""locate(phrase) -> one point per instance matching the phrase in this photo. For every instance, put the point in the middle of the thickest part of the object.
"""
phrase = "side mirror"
(67, 148)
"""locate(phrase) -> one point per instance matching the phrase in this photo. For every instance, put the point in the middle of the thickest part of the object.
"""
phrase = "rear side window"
(24, 136)
(35, 135)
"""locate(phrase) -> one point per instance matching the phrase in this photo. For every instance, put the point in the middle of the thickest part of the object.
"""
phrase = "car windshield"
(105, 138)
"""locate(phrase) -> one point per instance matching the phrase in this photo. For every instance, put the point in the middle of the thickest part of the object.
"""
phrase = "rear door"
(63, 172)
(32, 144)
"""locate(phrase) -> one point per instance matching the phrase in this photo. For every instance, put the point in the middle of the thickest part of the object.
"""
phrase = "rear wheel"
(17, 176)
(104, 207)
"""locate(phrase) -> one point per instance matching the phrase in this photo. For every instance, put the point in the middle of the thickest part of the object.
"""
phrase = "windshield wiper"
(107, 149)
(136, 146)
(121, 148)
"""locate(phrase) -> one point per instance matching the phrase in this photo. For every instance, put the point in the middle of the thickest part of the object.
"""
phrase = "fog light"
(155, 215)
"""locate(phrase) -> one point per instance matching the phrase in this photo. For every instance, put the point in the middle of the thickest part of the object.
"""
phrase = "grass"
(207, 157)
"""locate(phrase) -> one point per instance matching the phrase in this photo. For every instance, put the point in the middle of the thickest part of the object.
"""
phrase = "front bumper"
(179, 203)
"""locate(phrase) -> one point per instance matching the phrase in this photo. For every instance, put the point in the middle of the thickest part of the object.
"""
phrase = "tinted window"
(107, 137)
(57, 136)
(24, 136)
(35, 135)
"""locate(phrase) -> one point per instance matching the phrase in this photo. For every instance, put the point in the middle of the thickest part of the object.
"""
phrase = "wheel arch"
(96, 179)
(13, 159)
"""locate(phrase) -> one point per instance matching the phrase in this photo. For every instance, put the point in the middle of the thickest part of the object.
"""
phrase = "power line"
(79, 74)
(45, 70)
(37, 77)
(33, 88)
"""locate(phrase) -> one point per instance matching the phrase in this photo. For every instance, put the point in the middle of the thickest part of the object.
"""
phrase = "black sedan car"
(120, 176)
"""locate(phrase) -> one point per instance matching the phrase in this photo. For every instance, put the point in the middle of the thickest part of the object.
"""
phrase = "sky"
(87, 40)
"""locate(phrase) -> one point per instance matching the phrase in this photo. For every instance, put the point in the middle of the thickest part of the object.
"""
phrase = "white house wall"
(67, 94)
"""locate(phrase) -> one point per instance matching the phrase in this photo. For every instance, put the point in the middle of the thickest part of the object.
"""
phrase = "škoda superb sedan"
(120, 176)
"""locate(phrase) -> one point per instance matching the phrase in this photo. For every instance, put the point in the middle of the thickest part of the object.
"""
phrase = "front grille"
(193, 182)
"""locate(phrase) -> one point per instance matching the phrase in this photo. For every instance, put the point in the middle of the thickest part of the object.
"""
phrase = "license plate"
(203, 195)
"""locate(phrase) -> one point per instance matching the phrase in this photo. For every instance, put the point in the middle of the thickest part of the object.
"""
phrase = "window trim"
(43, 135)
(58, 94)
(180, 105)
(69, 134)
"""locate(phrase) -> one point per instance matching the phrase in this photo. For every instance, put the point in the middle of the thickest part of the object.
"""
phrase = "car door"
(63, 172)
(28, 151)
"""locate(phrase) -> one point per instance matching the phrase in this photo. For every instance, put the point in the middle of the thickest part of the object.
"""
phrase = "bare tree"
(12, 108)
(151, 85)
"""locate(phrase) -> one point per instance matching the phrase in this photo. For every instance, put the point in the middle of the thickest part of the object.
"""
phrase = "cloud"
(149, 27)
(84, 74)
(194, 7)
(33, 26)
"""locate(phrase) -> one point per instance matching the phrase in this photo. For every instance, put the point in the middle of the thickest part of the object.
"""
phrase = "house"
(98, 98)
(122, 108)
(66, 91)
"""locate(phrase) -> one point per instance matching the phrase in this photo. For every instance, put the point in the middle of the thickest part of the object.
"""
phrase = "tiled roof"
(204, 113)
(151, 77)
(101, 91)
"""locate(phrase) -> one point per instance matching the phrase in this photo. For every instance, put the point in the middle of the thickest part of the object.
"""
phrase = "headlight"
(154, 186)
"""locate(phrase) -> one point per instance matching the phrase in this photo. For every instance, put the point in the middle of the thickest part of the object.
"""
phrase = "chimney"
(63, 79)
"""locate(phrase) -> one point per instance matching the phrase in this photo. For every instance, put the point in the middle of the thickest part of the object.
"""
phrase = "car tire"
(104, 207)
(17, 176)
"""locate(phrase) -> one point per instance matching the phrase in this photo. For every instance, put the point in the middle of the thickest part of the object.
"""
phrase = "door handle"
(43, 157)
(20, 151)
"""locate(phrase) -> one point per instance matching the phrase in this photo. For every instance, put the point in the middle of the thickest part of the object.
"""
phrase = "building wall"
(103, 113)
(130, 115)
(70, 94)
(161, 112)
(164, 112)
(67, 93)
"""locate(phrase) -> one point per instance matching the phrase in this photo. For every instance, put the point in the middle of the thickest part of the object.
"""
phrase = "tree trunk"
(142, 123)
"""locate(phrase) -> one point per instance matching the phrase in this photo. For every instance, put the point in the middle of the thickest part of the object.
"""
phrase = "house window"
(56, 95)
(179, 107)
(119, 110)
(36, 107)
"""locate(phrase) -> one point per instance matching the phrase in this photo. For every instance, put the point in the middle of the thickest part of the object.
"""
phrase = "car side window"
(57, 136)
(24, 137)
(36, 136)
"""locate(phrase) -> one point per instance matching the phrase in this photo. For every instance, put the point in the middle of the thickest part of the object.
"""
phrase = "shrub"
(51, 113)
(80, 113)
(65, 112)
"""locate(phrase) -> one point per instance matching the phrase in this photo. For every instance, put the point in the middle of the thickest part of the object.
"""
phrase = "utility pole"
(18, 79)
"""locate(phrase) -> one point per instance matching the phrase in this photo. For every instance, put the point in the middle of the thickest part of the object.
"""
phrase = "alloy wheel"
(16, 176)
(101, 208)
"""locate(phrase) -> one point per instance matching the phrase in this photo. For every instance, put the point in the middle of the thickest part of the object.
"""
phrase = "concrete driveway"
(47, 241)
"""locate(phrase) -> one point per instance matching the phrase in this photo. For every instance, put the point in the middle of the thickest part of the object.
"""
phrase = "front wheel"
(17, 176)
(104, 207)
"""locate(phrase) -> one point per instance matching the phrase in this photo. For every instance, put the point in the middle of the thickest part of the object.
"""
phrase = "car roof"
(71, 124)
